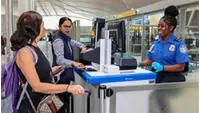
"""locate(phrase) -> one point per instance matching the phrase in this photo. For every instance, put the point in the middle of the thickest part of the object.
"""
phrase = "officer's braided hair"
(170, 16)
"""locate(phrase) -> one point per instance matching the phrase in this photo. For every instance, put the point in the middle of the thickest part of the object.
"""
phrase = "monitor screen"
(117, 34)
(98, 25)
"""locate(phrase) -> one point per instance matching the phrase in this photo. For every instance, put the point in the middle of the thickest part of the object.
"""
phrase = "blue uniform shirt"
(169, 53)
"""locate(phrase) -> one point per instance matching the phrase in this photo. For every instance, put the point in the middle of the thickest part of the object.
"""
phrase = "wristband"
(67, 88)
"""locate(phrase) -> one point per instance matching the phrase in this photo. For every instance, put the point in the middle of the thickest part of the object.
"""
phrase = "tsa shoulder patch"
(183, 49)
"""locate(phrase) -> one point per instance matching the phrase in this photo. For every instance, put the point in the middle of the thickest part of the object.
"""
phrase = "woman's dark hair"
(63, 19)
(170, 16)
(28, 28)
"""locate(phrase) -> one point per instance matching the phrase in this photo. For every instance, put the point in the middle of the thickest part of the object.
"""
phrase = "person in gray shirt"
(63, 55)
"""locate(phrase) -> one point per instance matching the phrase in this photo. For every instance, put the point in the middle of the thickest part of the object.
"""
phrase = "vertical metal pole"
(71, 34)
(26, 5)
(182, 22)
(95, 44)
(33, 5)
(128, 36)
(102, 96)
(101, 101)
(9, 25)
(143, 40)
(75, 35)
(77, 31)
(47, 48)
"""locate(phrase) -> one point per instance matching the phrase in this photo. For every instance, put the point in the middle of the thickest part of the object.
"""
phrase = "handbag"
(50, 103)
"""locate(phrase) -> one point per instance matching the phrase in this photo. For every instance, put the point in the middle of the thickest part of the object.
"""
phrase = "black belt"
(164, 73)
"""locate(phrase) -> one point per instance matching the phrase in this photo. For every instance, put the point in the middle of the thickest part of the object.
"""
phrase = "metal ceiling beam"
(9, 26)
(42, 8)
(71, 16)
(93, 2)
(89, 2)
(65, 12)
(190, 9)
(191, 17)
(80, 17)
(47, 9)
(61, 7)
(53, 7)
(98, 9)
(70, 10)
(89, 12)
(124, 2)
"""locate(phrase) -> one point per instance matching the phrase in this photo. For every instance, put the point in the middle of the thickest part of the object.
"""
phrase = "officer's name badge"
(151, 48)
(172, 48)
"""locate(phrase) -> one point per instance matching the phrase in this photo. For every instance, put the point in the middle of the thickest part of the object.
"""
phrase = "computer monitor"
(98, 25)
(117, 33)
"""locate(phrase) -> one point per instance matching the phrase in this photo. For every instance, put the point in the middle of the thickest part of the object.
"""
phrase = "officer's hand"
(79, 65)
(83, 49)
(138, 64)
(157, 66)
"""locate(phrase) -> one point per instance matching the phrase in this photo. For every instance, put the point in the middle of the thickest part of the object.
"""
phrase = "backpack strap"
(24, 86)
(33, 55)
(30, 50)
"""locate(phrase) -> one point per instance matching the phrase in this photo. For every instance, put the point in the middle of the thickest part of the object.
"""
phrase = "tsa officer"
(168, 54)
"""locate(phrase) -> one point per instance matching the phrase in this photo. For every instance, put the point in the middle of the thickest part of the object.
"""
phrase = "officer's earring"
(171, 28)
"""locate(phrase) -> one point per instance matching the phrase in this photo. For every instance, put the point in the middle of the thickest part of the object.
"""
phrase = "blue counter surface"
(97, 78)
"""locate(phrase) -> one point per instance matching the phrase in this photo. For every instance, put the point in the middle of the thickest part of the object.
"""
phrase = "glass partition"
(150, 30)
(192, 33)
(136, 36)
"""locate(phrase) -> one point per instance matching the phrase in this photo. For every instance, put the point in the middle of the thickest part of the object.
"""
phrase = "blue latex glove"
(157, 66)
(138, 64)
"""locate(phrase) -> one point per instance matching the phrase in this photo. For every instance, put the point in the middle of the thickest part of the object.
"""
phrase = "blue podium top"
(99, 77)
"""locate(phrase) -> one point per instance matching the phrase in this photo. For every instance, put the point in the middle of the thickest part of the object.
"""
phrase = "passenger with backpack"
(33, 69)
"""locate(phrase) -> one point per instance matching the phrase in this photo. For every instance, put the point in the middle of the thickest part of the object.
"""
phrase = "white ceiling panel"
(88, 8)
